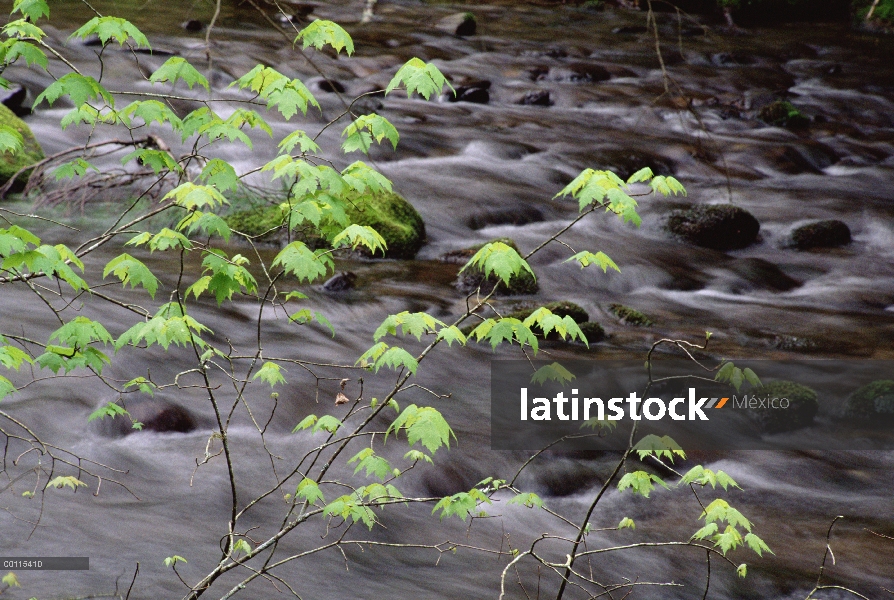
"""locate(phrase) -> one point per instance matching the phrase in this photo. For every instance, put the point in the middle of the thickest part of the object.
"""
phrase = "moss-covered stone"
(872, 401)
(11, 163)
(592, 331)
(389, 214)
(783, 114)
(630, 316)
(802, 407)
(716, 226)
(472, 278)
(394, 218)
(257, 221)
(830, 233)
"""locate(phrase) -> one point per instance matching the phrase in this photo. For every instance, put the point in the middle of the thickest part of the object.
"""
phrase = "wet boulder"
(577, 73)
(31, 152)
(14, 99)
(830, 233)
(193, 26)
(782, 113)
(472, 278)
(786, 406)
(461, 24)
(521, 215)
(872, 402)
(340, 282)
(475, 93)
(716, 226)
(535, 98)
(395, 219)
(630, 316)
(155, 414)
(591, 330)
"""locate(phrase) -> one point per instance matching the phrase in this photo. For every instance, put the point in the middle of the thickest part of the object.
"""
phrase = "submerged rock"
(715, 226)
(14, 99)
(872, 401)
(461, 24)
(536, 98)
(831, 233)
(10, 163)
(505, 216)
(340, 282)
(630, 316)
(782, 113)
(802, 407)
(155, 414)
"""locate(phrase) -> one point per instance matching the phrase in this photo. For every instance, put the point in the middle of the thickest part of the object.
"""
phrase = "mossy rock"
(388, 213)
(783, 114)
(394, 218)
(592, 331)
(257, 221)
(802, 407)
(630, 316)
(872, 401)
(11, 163)
(472, 278)
(715, 226)
(830, 233)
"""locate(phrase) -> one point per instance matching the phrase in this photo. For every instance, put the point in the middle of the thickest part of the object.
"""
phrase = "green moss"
(562, 309)
(394, 218)
(390, 214)
(11, 163)
(630, 315)
(256, 221)
(872, 401)
(783, 114)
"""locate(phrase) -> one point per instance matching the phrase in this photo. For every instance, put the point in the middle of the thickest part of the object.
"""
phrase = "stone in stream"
(475, 95)
(521, 215)
(395, 219)
(11, 163)
(715, 226)
(830, 233)
(782, 113)
(14, 98)
(472, 278)
(535, 98)
(193, 25)
(800, 411)
(872, 402)
(630, 316)
(156, 414)
(461, 24)
(340, 282)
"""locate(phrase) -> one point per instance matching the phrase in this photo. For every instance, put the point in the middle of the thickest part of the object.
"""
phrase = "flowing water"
(471, 170)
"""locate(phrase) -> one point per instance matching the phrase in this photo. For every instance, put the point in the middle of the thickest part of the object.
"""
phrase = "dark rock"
(716, 226)
(461, 24)
(763, 274)
(725, 59)
(630, 316)
(578, 73)
(782, 113)
(802, 407)
(472, 278)
(340, 282)
(631, 30)
(507, 216)
(561, 308)
(300, 12)
(592, 331)
(330, 86)
(14, 98)
(536, 98)
(193, 25)
(155, 414)
(565, 477)
(831, 233)
(475, 95)
(872, 402)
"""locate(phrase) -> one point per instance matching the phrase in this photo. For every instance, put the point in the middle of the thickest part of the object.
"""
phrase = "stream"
(476, 172)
